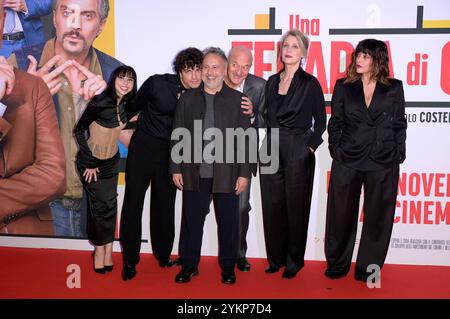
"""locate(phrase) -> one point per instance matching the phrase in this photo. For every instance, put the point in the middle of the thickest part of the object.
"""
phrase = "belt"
(13, 36)
(71, 203)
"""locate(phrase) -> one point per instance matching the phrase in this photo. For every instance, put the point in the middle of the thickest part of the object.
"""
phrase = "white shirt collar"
(240, 88)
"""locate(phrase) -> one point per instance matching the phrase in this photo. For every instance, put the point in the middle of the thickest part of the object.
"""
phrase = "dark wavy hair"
(123, 70)
(187, 59)
(380, 61)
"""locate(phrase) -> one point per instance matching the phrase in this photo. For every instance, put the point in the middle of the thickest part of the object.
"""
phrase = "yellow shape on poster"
(262, 21)
(436, 24)
(106, 40)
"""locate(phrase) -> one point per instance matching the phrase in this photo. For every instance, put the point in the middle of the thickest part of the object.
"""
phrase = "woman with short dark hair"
(103, 120)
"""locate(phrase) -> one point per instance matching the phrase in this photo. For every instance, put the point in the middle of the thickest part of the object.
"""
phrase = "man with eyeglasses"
(74, 72)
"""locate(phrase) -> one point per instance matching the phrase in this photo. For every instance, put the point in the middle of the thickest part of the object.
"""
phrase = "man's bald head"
(240, 61)
(241, 51)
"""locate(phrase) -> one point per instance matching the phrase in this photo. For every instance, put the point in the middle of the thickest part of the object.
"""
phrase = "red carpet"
(41, 273)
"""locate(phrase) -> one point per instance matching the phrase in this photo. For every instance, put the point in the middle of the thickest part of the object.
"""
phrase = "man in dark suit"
(218, 170)
(238, 77)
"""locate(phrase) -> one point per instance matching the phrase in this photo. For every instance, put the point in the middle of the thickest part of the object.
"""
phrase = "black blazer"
(254, 88)
(368, 138)
(227, 114)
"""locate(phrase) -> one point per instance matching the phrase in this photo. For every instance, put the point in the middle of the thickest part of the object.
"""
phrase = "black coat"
(368, 138)
(227, 114)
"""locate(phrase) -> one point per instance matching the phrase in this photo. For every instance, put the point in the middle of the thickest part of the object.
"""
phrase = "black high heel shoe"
(109, 268)
(102, 270)
(128, 272)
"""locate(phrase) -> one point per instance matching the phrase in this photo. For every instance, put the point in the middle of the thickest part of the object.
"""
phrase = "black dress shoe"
(289, 274)
(243, 264)
(361, 277)
(109, 268)
(334, 274)
(165, 263)
(228, 277)
(186, 274)
(271, 270)
(128, 272)
(177, 261)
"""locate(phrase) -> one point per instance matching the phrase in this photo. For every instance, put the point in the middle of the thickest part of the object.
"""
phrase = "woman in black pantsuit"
(367, 133)
(98, 160)
(295, 108)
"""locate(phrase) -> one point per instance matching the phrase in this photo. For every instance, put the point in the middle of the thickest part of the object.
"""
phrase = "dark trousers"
(286, 202)
(148, 162)
(244, 218)
(102, 201)
(380, 193)
(195, 209)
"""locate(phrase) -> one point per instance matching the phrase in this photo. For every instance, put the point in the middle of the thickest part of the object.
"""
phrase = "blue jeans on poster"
(9, 47)
(69, 222)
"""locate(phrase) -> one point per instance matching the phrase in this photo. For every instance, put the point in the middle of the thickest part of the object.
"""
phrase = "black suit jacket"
(368, 138)
(227, 114)
(254, 88)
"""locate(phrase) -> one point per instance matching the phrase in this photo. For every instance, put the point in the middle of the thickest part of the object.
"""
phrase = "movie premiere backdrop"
(147, 35)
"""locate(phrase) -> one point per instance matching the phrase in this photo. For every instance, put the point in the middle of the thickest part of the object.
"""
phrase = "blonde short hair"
(301, 38)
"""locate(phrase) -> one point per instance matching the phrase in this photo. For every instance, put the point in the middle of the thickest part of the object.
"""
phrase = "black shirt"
(207, 168)
(157, 99)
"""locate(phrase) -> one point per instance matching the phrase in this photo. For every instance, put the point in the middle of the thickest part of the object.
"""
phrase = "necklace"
(284, 78)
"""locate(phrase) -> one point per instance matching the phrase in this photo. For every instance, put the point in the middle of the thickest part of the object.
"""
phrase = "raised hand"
(93, 85)
(51, 78)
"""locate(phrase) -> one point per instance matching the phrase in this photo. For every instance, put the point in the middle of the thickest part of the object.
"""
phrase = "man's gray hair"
(103, 8)
(217, 51)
